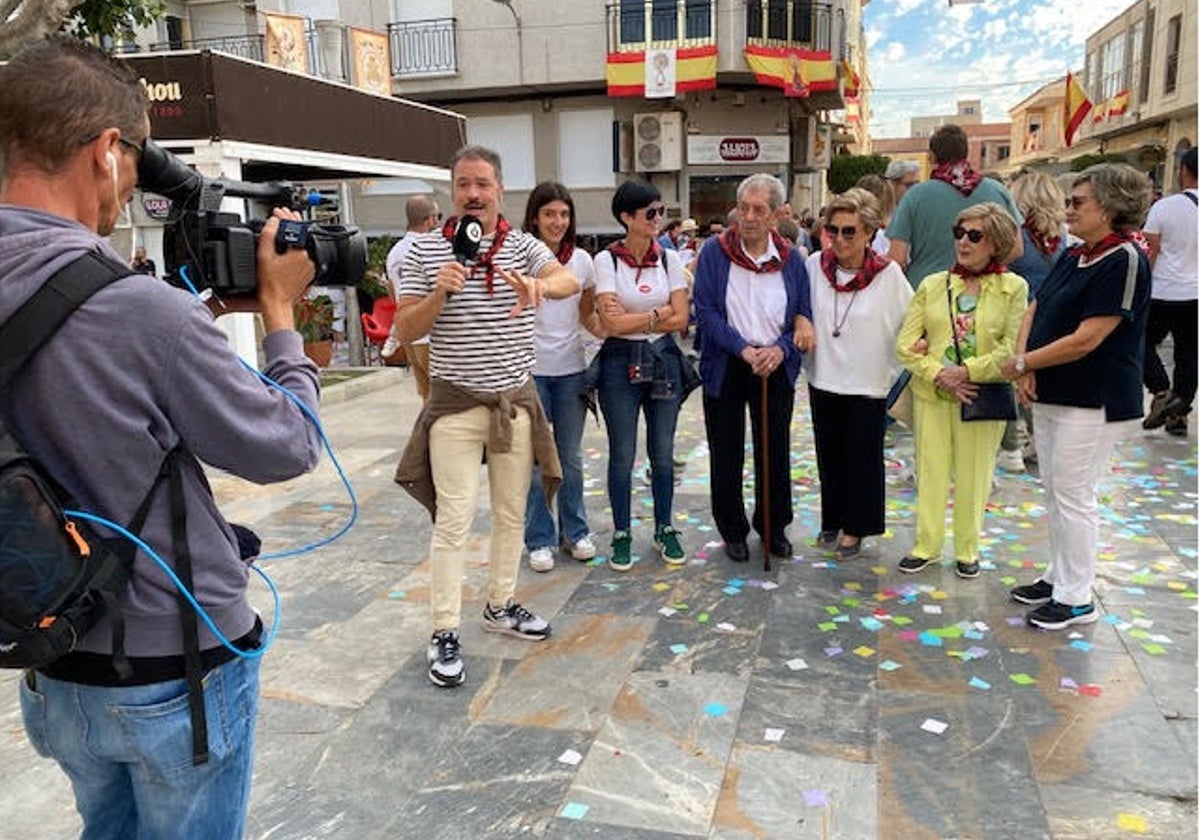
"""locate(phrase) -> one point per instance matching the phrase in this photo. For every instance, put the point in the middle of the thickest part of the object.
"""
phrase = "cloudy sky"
(924, 55)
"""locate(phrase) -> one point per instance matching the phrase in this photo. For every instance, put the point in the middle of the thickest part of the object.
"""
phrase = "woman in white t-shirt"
(559, 373)
(859, 300)
(643, 299)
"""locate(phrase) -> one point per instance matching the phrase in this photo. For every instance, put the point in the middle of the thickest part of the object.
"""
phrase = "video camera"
(219, 248)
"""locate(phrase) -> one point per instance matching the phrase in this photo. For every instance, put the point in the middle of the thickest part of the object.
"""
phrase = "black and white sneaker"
(1034, 594)
(446, 668)
(515, 620)
(1056, 616)
(910, 564)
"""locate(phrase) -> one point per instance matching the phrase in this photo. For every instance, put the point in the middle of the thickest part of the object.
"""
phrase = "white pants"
(1073, 447)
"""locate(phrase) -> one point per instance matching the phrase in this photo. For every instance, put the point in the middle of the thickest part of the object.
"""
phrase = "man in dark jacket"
(138, 370)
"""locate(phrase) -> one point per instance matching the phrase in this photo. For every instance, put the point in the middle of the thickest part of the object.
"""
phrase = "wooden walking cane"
(763, 482)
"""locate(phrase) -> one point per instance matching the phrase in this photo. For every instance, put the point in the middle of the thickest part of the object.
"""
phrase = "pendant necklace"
(838, 323)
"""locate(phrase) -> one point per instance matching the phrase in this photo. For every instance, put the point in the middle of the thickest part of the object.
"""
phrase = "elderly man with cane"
(749, 294)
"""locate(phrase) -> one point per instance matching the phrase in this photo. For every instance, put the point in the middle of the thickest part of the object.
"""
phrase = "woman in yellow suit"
(988, 303)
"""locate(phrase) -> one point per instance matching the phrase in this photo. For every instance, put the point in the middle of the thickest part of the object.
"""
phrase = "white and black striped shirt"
(474, 343)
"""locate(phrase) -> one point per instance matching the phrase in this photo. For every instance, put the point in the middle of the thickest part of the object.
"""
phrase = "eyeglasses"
(655, 212)
(1074, 202)
(847, 232)
(138, 148)
(975, 236)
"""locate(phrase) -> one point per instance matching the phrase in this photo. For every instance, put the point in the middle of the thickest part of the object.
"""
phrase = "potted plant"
(314, 322)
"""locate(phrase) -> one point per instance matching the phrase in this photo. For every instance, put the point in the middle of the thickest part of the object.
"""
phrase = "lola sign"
(710, 149)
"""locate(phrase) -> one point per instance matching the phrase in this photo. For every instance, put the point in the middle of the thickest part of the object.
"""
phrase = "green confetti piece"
(1022, 679)
(703, 617)
(1154, 649)
(852, 602)
(902, 620)
(826, 626)
(835, 610)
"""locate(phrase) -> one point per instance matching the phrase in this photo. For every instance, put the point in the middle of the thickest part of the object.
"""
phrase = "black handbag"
(994, 401)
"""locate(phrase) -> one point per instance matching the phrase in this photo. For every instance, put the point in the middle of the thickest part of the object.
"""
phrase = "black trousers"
(848, 430)
(725, 425)
(1177, 317)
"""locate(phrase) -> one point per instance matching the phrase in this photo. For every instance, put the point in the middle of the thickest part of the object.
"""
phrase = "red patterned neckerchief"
(872, 264)
(731, 244)
(648, 260)
(1110, 241)
(965, 273)
(959, 175)
(498, 236)
(1046, 244)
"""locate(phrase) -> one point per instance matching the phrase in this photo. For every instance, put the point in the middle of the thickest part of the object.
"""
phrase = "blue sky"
(924, 55)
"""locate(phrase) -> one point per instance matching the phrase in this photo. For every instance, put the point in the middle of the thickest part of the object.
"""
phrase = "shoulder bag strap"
(953, 332)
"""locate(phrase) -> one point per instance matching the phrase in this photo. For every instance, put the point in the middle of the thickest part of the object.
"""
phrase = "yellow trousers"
(949, 449)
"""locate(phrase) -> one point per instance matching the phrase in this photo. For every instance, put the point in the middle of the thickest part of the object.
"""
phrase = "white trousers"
(1073, 446)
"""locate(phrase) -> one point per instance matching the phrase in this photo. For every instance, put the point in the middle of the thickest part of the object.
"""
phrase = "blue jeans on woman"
(562, 400)
(128, 752)
(620, 401)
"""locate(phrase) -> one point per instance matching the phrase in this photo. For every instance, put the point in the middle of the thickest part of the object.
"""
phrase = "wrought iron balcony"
(649, 24)
(244, 46)
(424, 47)
(795, 23)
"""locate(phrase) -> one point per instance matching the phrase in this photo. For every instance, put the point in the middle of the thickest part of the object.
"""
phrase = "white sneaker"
(583, 549)
(541, 559)
(390, 346)
(1011, 460)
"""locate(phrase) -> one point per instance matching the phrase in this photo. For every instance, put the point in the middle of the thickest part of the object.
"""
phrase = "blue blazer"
(720, 340)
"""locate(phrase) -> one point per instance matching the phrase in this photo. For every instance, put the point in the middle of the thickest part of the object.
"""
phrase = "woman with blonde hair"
(859, 300)
(886, 199)
(969, 317)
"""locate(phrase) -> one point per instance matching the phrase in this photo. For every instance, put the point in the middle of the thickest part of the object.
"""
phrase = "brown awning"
(206, 96)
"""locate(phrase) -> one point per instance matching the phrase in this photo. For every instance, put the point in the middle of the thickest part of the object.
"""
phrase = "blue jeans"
(620, 401)
(562, 400)
(128, 753)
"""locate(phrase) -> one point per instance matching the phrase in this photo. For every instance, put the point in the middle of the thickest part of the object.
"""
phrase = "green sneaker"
(666, 540)
(620, 560)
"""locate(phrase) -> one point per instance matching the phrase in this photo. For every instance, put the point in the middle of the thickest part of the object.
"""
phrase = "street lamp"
(520, 39)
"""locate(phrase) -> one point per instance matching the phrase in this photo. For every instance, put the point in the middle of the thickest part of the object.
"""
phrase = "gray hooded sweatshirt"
(136, 370)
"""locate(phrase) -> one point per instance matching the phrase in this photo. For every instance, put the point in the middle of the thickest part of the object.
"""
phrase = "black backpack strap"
(36, 320)
(1191, 197)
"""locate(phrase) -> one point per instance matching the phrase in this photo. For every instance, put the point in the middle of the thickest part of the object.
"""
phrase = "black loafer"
(781, 546)
(967, 570)
(737, 552)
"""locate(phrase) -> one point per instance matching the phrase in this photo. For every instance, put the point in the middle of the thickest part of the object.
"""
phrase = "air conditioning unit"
(658, 141)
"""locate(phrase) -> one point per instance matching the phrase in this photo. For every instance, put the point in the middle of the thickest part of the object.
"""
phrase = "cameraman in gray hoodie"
(138, 370)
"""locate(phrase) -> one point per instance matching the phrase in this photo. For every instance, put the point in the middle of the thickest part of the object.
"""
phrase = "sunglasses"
(847, 232)
(139, 148)
(975, 236)
(1076, 201)
(655, 212)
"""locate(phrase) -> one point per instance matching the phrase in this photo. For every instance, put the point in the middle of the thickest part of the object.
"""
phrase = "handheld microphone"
(466, 239)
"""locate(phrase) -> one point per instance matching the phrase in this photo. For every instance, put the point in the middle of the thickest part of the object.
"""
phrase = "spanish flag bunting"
(797, 72)
(1119, 104)
(1075, 108)
(852, 79)
(695, 69)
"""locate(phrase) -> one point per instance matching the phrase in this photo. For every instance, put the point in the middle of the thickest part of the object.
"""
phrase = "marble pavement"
(817, 700)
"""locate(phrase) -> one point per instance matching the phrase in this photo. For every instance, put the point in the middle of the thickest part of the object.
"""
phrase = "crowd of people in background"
(1016, 319)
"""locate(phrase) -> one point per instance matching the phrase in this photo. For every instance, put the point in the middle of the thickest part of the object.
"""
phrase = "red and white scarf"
(503, 228)
(959, 175)
(731, 244)
(872, 264)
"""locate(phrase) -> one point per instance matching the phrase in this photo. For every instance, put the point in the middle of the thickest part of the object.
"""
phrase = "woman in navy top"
(1079, 361)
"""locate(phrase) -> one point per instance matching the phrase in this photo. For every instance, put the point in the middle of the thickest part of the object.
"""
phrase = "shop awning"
(287, 125)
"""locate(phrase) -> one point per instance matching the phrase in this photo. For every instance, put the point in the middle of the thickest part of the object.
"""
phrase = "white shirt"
(639, 289)
(1175, 268)
(861, 360)
(395, 259)
(756, 304)
(557, 333)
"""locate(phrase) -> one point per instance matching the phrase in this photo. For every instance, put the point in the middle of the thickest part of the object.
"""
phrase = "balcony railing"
(795, 23)
(648, 24)
(243, 46)
(424, 47)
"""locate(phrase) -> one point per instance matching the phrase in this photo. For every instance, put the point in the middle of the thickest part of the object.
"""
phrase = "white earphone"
(112, 163)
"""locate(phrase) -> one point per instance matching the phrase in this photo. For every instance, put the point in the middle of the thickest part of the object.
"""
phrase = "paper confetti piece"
(982, 685)
(715, 709)
(737, 590)
(1078, 644)
(826, 626)
(928, 639)
(1091, 690)
(570, 757)
(933, 609)
(937, 727)
(682, 648)
(726, 626)
(667, 612)
(1132, 822)
(797, 664)
(773, 735)
(397, 594)
(574, 810)
(1022, 679)
(863, 650)
(769, 585)
(702, 618)
(902, 621)
(1068, 684)
(870, 623)
(832, 650)
(888, 665)
(1152, 649)
(816, 798)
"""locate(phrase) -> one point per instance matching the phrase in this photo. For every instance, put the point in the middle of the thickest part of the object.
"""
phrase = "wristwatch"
(1019, 364)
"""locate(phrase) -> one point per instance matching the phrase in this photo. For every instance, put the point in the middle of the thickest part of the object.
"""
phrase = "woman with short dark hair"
(643, 299)
(1079, 361)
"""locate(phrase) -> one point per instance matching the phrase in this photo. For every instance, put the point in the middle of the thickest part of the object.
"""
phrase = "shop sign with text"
(718, 149)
